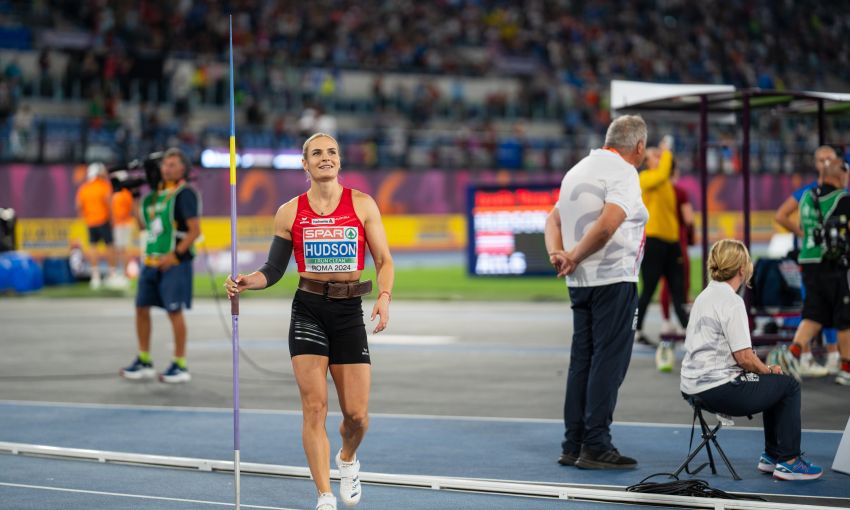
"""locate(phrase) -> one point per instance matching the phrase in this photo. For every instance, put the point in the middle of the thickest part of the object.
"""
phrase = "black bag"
(777, 283)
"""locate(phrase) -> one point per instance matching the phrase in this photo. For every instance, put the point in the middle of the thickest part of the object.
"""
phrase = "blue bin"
(5, 273)
(22, 273)
(57, 271)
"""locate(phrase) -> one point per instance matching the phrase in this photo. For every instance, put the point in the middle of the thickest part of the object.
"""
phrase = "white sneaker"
(95, 283)
(349, 480)
(175, 374)
(664, 357)
(808, 368)
(327, 501)
(138, 370)
(788, 363)
(117, 282)
(833, 364)
(843, 378)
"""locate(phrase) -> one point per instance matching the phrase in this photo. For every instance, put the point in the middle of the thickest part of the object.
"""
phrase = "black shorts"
(827, 297)
(328, 327)
(101, 233)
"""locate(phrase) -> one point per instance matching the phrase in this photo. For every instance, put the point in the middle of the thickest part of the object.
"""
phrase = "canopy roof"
(702, 100)
(634, 96)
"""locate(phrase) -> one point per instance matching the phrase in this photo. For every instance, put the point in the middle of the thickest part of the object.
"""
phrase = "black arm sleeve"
(279, 253)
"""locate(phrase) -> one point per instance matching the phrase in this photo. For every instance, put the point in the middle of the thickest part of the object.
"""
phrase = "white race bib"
(155, 228)
(330, 249)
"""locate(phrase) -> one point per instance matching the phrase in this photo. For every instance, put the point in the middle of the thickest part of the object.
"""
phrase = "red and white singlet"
(328, 244)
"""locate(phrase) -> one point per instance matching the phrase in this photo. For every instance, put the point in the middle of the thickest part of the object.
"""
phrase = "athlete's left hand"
(382, 308)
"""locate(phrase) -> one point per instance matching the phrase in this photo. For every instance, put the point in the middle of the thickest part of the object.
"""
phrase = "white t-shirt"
(601, 178)
(717, 327)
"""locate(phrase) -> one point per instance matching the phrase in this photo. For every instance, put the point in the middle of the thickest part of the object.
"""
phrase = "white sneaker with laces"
(349, 480)
(327, 501)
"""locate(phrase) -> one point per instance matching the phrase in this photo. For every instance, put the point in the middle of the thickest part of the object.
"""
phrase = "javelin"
(234, 301)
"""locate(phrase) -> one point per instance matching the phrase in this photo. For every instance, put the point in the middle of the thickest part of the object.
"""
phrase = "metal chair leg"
(725, 459)
(687, 461)
(708, 436)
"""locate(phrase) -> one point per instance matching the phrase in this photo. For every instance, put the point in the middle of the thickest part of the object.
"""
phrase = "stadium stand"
(452, 83)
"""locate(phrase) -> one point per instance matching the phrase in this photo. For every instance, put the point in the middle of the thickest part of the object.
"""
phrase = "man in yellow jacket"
(662, 253)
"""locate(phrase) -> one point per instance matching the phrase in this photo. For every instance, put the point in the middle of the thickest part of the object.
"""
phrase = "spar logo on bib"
(330, 249)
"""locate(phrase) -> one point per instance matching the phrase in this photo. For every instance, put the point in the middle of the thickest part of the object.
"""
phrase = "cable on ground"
(692, 488)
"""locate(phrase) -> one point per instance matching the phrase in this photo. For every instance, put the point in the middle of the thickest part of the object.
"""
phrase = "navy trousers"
(777, 396)
(604, 320)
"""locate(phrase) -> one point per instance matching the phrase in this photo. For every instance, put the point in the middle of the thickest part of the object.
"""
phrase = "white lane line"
(146, 407)
(138, 496)
(381, 339)
(496, 419)
(411, 339)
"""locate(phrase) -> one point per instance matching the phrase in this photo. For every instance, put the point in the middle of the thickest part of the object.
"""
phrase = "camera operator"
(786, 216)
(170, 214)
(824, 216)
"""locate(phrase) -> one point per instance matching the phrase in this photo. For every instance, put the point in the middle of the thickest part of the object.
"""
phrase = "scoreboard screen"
(505, 229)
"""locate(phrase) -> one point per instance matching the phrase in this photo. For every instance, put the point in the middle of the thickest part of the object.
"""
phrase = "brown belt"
(335, 290)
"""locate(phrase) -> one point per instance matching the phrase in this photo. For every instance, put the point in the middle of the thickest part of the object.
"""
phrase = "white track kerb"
(413, 481)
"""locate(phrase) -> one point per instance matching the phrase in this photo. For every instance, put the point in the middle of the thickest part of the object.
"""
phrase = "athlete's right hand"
(234, 287)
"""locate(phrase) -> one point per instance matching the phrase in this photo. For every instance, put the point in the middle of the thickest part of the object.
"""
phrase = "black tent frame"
(743, 101)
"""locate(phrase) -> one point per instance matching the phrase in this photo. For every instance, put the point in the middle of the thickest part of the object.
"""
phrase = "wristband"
(388, 293)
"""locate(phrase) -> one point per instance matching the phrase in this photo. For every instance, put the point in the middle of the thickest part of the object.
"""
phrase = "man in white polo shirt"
(595, 238)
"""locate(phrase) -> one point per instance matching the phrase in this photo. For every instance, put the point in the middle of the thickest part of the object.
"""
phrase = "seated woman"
(721, 368)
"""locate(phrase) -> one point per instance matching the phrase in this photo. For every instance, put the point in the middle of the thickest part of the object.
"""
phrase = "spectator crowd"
(291, 56)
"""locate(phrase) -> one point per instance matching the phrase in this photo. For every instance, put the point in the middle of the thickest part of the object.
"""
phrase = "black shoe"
(642, 339)
(611, 459)
(568, 459)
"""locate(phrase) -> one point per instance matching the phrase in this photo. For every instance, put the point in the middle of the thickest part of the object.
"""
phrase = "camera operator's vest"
(812, 252)
(158, 214)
